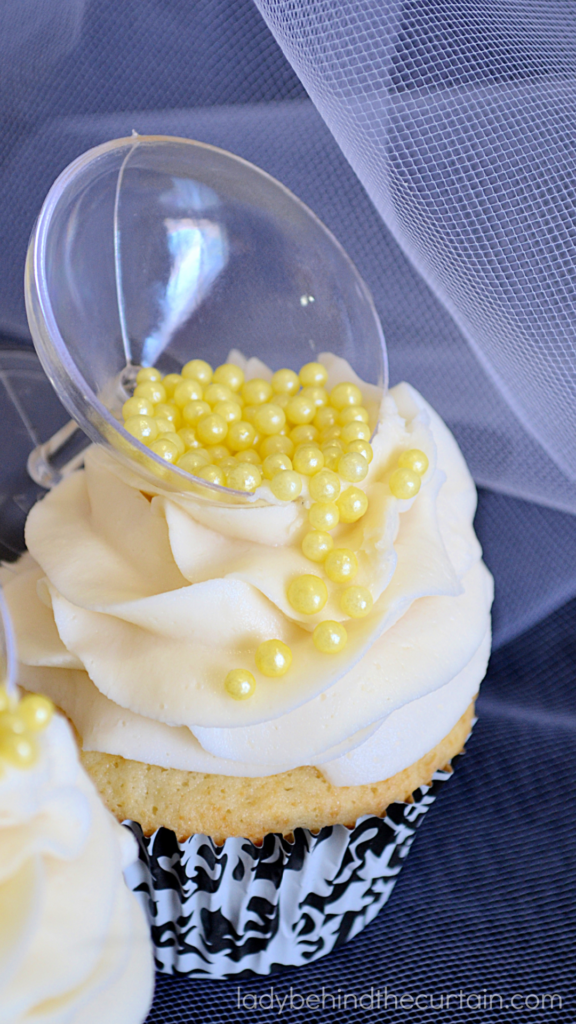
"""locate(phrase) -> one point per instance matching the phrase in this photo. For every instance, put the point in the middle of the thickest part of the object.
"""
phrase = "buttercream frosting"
(74, 944)
(133, 604)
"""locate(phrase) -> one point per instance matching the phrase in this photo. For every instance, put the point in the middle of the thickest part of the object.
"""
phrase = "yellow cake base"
(221, 805)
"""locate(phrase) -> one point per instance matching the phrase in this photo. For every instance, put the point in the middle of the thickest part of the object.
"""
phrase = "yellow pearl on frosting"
(240, 684)
(244, 477)
(195, 410)
(273, 658)
(269, 418)
(256, 391)
(352, 504)
(36, 711)
(313, 374)
(355, 432)
(308, 459)
(166, 450)
(240, 435)
(229, 374)
(276, 463)
(341, 565)
(137, 407)
(276, 443)
(188, 391)
(300, 410)
(198, 369)
(352, 414)
(363, 448)
(287, 485)
(148, 373)
(143, 428)
(211, 429)
(329, 637)
(19, 751)
(324, 515)
(345, 394)
(316, 545)
(414, 459)
(285, 382)
(353, 467)
(356, 602)
(404, 483)
(307, 594)
(325, 486)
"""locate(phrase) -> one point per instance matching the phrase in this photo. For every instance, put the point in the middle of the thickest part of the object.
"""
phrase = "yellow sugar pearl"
(273, 658)
(316, 545)
(285, 382)
(332, 456)
(240, 684)
(241, 435)
(198, 370)
(36, 711)
(256, 391)
(191, 462)
(317, 395)
(143, 428)
(353, 467)
(211, 429)
(187, 391)
(352, 504)
(5, 700)
(229, 411)
(281, 398)
(170, 382)
(345, 394)
(332, 434)
(249, 413)
(213, 474)
(363, 448)
(352, 414)
(325, 486)
(188, 435)
(355, 432)
(19, 751)
(341, 565)
(404, 483)
(276, 443)
(228, 463)
(244, 477)
(251, 455)
(308, 459)
(286, 485)
(276, 463)
(217, 452)
(306, 433)
(313, 374)
(325, 418)
(414, 459)
(229, 374)
(195, 410)
(269, 419)
(214, 393)
(12, 722)
(356, 602)
(324, 515)
(152, 390)
(167, 411)
(300, 410)
(329, 637)
(166, 450)
(137, 407)
(169, 435)
(307, 594)
(163, 425)
(148, 373)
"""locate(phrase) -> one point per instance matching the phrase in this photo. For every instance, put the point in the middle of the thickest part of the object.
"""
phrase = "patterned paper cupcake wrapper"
(221, 911)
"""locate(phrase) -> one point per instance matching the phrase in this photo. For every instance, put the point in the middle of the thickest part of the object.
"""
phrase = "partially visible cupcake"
(274, 801)
(75, 943)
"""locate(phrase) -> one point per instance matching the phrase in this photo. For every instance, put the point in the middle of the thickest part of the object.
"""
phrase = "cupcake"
(271, 693)
(76, 948)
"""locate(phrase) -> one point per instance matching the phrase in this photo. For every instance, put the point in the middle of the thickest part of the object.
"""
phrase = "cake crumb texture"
(221, 806)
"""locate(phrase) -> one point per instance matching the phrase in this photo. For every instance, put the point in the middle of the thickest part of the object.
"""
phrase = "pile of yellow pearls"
(229, 431)
(20, 722)
(405, 481)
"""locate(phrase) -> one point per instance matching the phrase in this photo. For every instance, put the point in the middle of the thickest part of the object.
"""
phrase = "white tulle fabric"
(74, 942)
(455, 116)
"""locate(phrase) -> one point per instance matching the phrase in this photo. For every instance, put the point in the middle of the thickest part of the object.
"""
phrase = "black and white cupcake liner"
(221, 911)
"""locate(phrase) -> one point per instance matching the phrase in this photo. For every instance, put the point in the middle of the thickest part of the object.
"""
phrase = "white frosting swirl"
(146, 602)
(74, 944)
